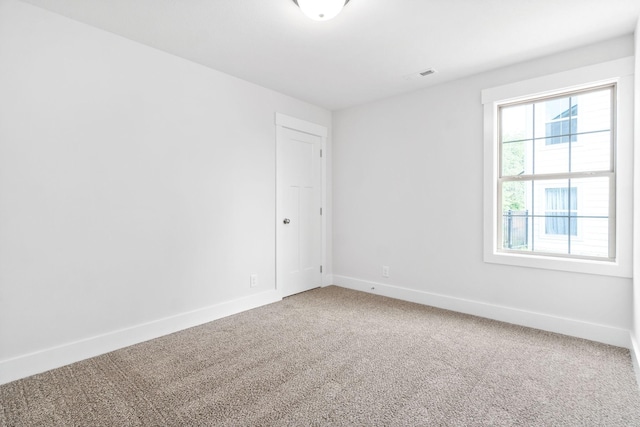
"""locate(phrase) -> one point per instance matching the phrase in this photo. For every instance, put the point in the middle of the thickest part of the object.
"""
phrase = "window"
(547, 153)
(558, 171)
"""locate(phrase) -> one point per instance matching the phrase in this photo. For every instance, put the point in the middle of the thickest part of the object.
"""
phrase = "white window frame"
(619, 72)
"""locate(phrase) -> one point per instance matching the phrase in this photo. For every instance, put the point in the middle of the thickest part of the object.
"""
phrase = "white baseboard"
(50, 358)
(635, 357)
(576, 328)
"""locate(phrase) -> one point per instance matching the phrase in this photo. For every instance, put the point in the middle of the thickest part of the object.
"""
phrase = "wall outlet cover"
(385, 271)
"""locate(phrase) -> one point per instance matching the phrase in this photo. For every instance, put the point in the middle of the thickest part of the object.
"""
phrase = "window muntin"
(551, 150)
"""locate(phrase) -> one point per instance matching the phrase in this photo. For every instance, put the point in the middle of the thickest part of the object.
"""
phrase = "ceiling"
(366, 52)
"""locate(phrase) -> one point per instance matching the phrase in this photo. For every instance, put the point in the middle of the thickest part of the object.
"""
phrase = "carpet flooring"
(334, 356)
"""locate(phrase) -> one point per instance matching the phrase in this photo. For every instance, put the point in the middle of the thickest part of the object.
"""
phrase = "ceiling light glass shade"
(321, 10)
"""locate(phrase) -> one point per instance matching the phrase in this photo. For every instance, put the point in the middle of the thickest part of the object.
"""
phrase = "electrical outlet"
(253, 281)
(385, 271)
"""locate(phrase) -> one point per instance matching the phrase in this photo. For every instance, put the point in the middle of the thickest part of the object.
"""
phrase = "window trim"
(619, 72)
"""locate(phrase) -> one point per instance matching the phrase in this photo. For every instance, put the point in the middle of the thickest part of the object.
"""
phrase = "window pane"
(516, 216)
(552, 196)
(516, 196)
(516, 230)
(594, 111)
(560, 131)
(553, 120)
(560, 210)
(592, 239)
(516, 123)
(555, 203)
(551, 243)
(593, 196)
(551, 158)
(517, 158)
(591, 152)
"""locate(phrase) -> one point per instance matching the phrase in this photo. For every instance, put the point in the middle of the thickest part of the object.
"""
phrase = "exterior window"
(561, 209)
(548, 155)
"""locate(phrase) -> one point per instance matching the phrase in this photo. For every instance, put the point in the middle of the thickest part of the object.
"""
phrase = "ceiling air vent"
(427, 72)
(420, 74)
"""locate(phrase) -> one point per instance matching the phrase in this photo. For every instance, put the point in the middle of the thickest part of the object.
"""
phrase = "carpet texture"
(333, 356)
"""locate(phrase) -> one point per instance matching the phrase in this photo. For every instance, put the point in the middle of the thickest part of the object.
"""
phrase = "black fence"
(515, 229)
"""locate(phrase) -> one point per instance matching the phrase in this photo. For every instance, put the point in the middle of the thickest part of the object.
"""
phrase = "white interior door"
(298, 214)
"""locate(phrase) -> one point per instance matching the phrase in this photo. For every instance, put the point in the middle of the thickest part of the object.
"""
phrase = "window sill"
(575, 265)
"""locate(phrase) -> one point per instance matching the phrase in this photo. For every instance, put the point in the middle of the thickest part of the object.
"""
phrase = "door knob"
(286, 221)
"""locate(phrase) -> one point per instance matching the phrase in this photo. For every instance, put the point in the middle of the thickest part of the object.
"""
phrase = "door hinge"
(320, 153)
(320, 211)
(320, 269)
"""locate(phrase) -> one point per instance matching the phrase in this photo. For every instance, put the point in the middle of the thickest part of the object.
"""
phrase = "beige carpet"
(333, 356)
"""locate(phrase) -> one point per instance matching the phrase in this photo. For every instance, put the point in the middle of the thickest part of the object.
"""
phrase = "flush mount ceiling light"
(321, 10)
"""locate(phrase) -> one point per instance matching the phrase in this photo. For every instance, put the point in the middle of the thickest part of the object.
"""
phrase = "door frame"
(293, 123)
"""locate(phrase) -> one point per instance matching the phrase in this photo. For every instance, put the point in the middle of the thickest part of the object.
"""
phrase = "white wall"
(134, 186)
(636, 199)
(408, 194)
